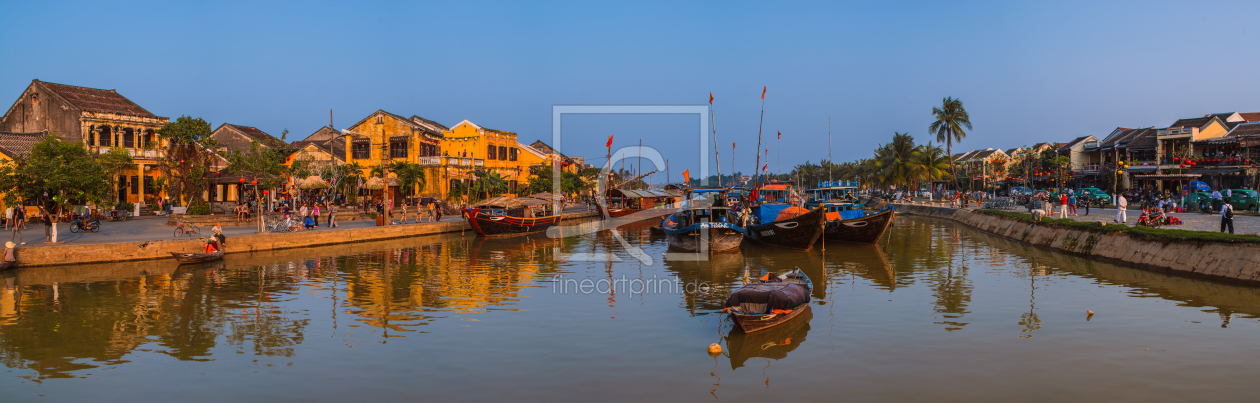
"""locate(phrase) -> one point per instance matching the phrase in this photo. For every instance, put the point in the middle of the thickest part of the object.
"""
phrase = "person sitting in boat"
(212, 245)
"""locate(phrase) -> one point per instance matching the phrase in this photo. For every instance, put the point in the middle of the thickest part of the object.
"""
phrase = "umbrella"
(313, 182)
(374, 184)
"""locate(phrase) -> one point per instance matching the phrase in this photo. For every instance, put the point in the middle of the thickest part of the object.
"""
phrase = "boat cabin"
(523, 207)
(639, 199)
(773, 198)
(838, 198)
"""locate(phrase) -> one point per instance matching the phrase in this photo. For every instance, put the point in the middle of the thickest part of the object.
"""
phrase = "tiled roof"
(17, 144)
(1194, 122)
(258, 135)
(95, 100)
(323, 134)
(336, 146)
(546, 149)
(1232, 125)
(1074, 142)
(1143, 139)
(1251, 116)
(429, 125)
(1245, 129)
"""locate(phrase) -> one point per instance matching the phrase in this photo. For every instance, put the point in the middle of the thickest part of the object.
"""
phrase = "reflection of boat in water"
(188, 258)
(779, 220)
(847, 219)
(774, 343)
(770, 302)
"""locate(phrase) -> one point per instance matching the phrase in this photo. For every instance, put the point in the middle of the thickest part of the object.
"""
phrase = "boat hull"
(753, 323)
(720, 241)
(859, 230)
(7, 265)
(800, 232)
(197, 257)
(489, 225)
(774, 343)
(615, 212)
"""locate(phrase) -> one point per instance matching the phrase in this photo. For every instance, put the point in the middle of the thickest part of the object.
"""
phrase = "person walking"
(332, 216)
(404, 212)
(1072, 204)
(315, 214)
(1121, 204)
(8, 217)
(1227, 217)
(1063, 205)
(1216, 200)
(437, 211)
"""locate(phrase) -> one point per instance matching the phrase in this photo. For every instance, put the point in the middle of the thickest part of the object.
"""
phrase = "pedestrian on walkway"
(315, 214)
(8, 217)
(1063, 205)
(437, 211)
(303, 212)
(1087, 203)
(332, 216)
(430, 209)
(1121, 204)
(1227, 217)
(1216, 200)
(1072, 204)
(48, 223)
(404, 212)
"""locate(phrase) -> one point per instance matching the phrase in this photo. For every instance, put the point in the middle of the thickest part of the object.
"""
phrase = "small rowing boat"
(769, 302)
(7, 265)
(197, 257)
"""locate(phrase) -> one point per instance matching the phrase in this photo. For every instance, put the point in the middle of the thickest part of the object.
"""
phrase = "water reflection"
(774, 343)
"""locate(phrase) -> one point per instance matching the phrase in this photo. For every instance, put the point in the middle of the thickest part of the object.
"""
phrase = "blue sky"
(1026, 71)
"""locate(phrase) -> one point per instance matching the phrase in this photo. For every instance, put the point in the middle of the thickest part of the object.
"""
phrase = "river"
(935, 312)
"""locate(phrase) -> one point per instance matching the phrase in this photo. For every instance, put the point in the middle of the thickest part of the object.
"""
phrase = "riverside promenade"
(148, 238)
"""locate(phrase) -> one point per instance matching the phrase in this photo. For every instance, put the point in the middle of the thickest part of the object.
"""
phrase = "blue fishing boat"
(847, 219)
(777, 216)
(703, 224)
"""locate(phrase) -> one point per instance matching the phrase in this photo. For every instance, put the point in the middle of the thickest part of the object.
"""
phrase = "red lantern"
(253, 182)
(266, 192)
(242, 180)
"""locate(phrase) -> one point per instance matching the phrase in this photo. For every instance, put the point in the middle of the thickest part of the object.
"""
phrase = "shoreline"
(62, 255)
(1229, 262)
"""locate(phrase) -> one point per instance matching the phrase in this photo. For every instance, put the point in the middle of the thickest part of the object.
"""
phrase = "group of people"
(424, 212)
(308, 215)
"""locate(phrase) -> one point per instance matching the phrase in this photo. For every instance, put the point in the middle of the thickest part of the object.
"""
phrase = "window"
(135, 185)
(148, 138)
(503, 153)
(490, 151)
(129, 138)
(398, 149)
(91, 137)
(105, 135)
(361, 150)
(148, 185)
(512, 154)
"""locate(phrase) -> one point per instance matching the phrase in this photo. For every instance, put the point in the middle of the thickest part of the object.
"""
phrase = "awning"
(1166, 177)
(1142, 168)
(640, 194)
(1215, 171)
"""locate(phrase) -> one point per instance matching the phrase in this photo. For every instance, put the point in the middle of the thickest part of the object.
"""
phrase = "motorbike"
(1153, 218)
(92, 225)
(1205, 206)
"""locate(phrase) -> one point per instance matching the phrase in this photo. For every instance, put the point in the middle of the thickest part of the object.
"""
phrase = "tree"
(261, 164)
(188, 156)
(116, 161)
(410, 176)
(951, 118)
(490, 184)
(895, 159)
(55, 174)
(930, 163)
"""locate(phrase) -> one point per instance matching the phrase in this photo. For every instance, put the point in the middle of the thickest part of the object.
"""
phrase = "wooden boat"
(511, 216)
(7, 265)
(195, 257)
(753, 308)
(773, 343)
(867, 229)
(624, 202)
(768, 224)
(703, 225)
(848, 220)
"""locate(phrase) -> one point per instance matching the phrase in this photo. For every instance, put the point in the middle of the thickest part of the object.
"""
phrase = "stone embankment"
(161, 249)
(1235, 262)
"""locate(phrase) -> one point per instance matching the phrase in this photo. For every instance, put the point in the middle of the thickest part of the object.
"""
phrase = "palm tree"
(410, 176)
(895, 159)
(489, 183)
(930, 163)
(951, 118)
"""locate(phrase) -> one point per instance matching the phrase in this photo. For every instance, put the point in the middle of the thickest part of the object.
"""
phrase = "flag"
(780, 134)
(732, 145)
(710, 98)
(687, 176)
(763, 169)
(610, 136)
(763, 92)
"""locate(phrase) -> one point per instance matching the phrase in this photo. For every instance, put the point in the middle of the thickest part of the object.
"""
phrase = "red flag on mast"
(763, 92)
(610, 136)
(710, 98)
(780, 134)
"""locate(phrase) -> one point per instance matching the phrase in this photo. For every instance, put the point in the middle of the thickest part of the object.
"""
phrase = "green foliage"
(200, 208)
(125, 206)
(54, 174)
(188, 155)
(115, 162)
(951, 118)
(410, 176)
(488, 184)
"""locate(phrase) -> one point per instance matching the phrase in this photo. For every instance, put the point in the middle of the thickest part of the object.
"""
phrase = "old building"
(324, 147)
(100, 120)
(238, 138)
(383, 138)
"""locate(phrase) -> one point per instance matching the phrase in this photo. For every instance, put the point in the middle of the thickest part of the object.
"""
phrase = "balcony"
(1095, 167)
(135, 153)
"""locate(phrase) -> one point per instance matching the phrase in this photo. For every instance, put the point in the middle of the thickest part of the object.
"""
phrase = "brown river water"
(935, 312)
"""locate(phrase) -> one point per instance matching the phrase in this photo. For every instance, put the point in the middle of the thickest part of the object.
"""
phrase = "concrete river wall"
(161, 249)
(1235, 262)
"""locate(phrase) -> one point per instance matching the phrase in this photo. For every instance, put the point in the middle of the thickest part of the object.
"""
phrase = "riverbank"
(70, 254)
(1234, 259)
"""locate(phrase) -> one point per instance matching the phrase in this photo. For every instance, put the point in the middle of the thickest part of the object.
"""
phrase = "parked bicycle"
(187, 229)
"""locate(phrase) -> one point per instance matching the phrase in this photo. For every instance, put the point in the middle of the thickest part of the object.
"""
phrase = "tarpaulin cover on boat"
(773, 295)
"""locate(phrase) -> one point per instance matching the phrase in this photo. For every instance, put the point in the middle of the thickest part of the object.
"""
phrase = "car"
(1095, 195)
(1244, 199)
(1196, 197)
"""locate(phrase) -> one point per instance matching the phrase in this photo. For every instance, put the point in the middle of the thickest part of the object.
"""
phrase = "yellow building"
(383, 137)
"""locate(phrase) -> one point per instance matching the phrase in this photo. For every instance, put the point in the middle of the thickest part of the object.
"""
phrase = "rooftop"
(95, 100)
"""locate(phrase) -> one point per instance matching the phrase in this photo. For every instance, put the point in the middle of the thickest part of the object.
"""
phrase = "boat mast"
(757, 169)
(717, 156)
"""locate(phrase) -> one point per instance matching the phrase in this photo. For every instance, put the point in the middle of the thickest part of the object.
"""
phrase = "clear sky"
(1026, 71)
